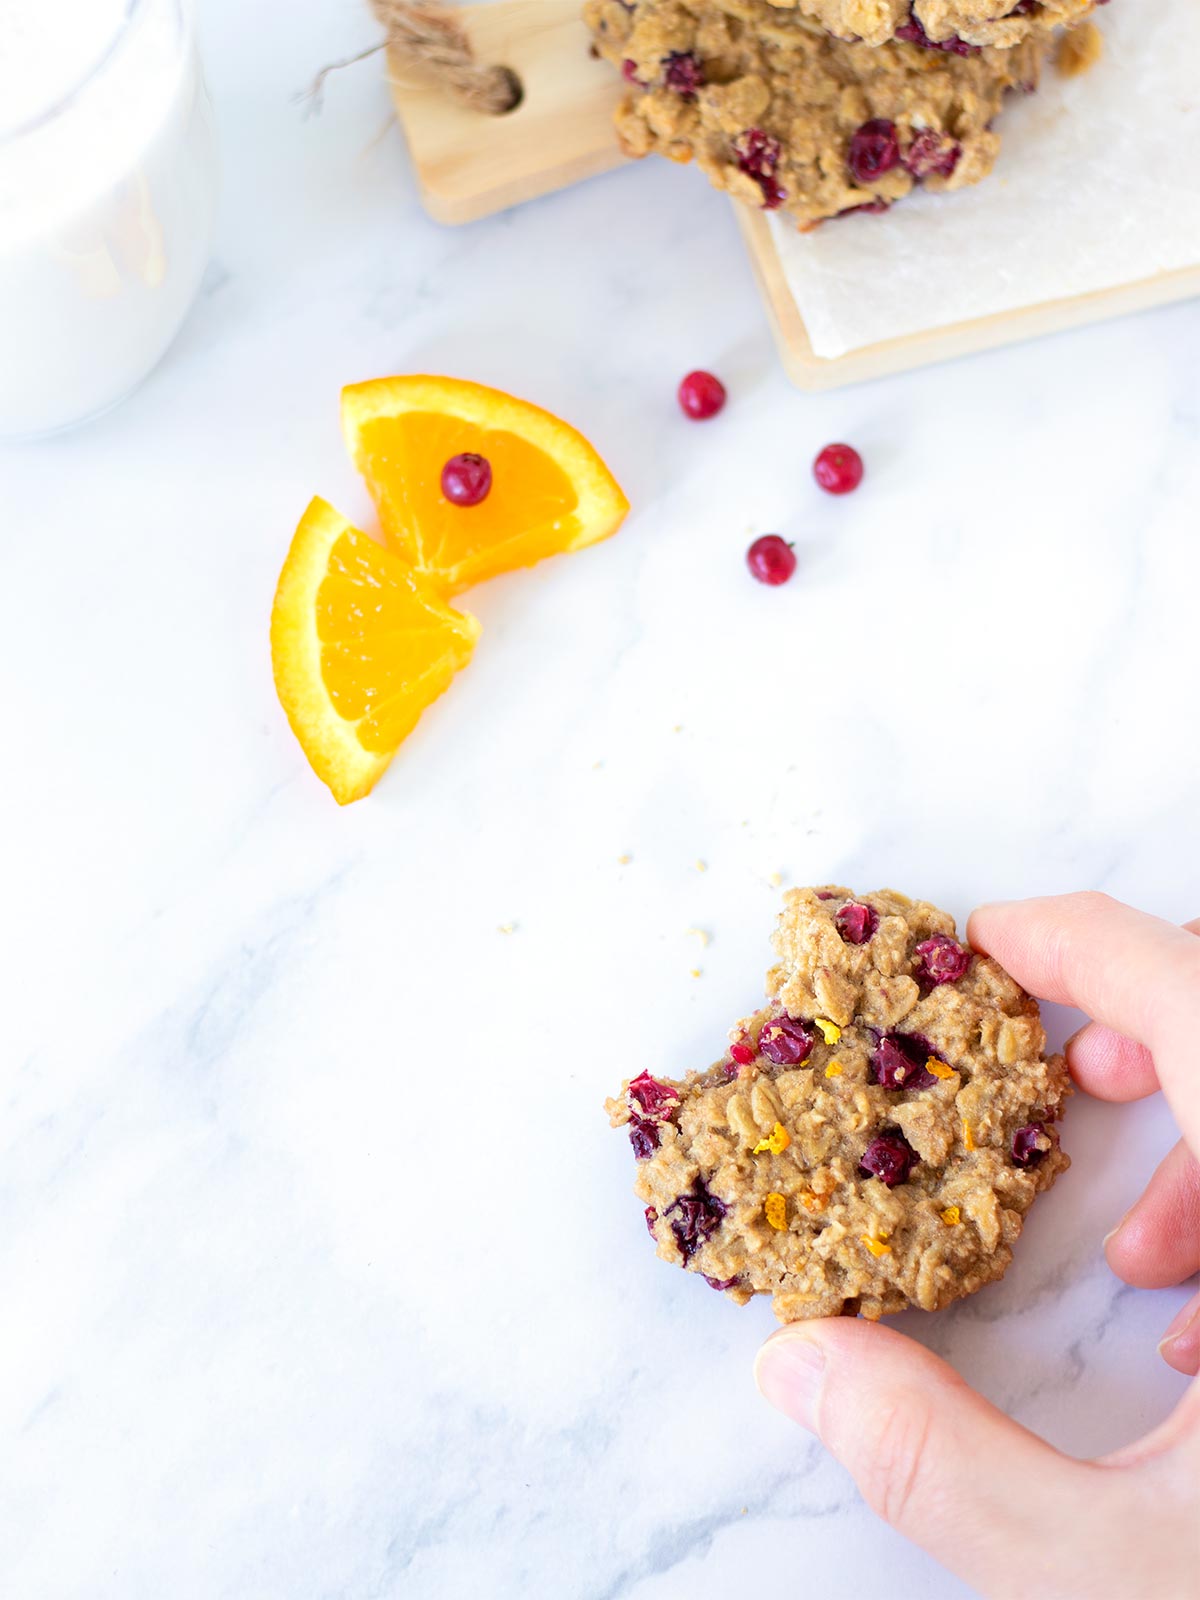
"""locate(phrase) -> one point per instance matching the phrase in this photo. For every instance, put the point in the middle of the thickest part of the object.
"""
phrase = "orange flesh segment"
(384, 656)
(529, 512)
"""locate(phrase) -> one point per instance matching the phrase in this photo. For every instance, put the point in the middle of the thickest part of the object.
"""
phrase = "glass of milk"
(107, 199)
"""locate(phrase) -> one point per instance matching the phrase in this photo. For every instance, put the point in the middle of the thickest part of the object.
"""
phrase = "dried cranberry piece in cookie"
(1031, 1144)
(898, 1061)
(629, 71)
(651, 1218)
(720, 1283)
(683, 73)
(890, 1158)
(874, 150)
(912, 32)
(656, 1099)
(742, 1052)
(787, 1041)
(932, 155)
(643, 1136)
(856, 923)
(940, 959)
(757, 155)
(698, 1218)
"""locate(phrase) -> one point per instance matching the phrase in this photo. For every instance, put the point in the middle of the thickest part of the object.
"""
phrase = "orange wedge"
(359, 647)
(550, 491)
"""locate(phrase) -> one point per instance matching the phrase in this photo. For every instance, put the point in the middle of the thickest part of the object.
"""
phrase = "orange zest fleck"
(876, 1246)
(968, 1136)
(775, 1211)
(952, 1216)
(830, 1030)
(776, 1141)
(834, 1069)
(811, 1202)
(939, 1068)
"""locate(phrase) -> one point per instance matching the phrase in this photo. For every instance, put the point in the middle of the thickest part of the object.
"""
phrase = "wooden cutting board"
(470, 165)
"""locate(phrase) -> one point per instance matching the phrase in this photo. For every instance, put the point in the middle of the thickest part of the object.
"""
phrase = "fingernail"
(1183, 1330)
(1113, 1232)
(788, 1373)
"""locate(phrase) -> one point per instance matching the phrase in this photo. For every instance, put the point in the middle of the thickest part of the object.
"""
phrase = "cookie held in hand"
(873, 1138)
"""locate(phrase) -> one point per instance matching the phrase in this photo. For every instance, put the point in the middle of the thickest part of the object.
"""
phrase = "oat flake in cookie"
(873, 1138)
(957, 25)
(786, 117)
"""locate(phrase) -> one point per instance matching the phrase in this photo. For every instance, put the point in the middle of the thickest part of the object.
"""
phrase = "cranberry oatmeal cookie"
(782, 114)
(960, 26)
(873, 1138)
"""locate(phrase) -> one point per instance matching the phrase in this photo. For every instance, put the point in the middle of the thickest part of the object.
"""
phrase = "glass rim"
(40, 119)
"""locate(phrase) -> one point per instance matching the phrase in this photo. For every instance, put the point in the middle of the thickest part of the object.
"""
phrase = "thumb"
(984, 1496)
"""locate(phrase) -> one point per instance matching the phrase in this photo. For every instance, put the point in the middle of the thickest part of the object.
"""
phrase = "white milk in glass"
(107, 193)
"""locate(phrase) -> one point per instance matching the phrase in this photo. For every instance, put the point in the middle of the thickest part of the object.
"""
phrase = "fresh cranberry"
(757, 155)
(898, 1061)
(684, 73)
(719, 1283)
(932, 155)
(856, 923)
(701, 396)
(643, 1136)
(787, 1041)
(838, 469)
(913, 33)
(742, 1053)
(874, 150)
(651, 1219)
(771, 559)
(940, 959)
(629, 71)
(656, 1099)
(698, 1218)
(1031, 1144)
(467, 479)
(890, 1158)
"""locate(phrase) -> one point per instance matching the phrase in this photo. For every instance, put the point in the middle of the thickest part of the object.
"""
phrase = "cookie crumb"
(776, 880)
(696, 972)
(507, 927)
(701, 934)
(701, 866)
(1080, 50)
(623, 861)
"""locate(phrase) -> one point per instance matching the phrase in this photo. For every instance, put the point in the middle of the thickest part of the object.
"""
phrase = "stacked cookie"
(823, 107)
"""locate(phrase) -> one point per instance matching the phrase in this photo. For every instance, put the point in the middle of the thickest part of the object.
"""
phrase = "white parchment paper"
(1098, 184)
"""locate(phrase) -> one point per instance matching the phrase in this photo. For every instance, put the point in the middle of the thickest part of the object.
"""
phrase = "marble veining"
(322, 1274)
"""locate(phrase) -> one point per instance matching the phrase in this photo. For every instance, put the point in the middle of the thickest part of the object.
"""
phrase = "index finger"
(1130, 971)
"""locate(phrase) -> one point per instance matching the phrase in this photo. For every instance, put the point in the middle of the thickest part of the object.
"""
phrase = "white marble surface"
(321, 1272)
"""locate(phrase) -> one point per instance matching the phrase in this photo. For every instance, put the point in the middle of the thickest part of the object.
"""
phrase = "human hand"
(990, 1500)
